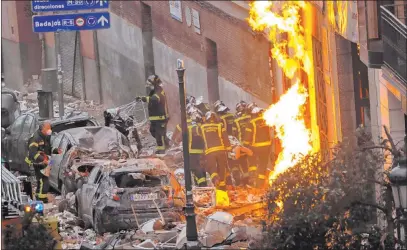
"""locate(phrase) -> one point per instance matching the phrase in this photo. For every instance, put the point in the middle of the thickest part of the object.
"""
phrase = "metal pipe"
(60, 81)
(192, 234)
(99, 76)
(74, 63)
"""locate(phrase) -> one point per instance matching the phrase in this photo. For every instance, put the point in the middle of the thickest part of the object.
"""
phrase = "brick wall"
(242, 57)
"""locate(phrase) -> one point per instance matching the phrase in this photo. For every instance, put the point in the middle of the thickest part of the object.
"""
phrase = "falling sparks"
(281, 19)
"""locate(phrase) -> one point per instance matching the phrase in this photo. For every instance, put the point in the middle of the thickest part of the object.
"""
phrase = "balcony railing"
(394, 35)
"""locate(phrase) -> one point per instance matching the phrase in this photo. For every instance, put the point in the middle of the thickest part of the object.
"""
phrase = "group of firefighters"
(209, 145)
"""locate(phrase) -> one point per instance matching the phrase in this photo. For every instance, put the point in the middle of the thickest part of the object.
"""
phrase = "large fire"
(287, 115)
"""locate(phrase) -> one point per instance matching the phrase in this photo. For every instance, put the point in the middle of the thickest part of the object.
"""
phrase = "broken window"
(132, 180)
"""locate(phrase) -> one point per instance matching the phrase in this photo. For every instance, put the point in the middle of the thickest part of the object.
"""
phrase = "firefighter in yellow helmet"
(258, 138)
(158, 112)
(217, 144)
(225, 116)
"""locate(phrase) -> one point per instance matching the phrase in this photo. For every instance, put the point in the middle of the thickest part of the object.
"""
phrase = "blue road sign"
(71, 22)
(67, 5)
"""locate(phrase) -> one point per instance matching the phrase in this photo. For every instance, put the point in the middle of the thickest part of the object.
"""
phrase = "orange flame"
(286, 116)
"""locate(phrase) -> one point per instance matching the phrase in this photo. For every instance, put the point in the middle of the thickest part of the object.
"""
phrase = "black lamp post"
(192, 235)
(398, 180)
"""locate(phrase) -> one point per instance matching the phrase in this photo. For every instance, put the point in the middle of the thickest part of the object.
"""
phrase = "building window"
(361, 88)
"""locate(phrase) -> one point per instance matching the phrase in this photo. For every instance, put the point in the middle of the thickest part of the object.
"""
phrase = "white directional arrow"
(101, 2)
(102, 20)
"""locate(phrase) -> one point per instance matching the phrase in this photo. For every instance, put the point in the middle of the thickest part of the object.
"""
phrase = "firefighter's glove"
(231, 155)
(138, 98)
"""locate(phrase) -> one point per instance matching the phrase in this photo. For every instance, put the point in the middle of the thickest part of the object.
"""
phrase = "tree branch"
(370, 205)
(377, 147)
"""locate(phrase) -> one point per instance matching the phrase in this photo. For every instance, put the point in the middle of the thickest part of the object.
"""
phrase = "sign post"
(68, 22)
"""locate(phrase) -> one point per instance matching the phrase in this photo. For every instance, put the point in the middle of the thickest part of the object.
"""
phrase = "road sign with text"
(67, 5)
(71, 22)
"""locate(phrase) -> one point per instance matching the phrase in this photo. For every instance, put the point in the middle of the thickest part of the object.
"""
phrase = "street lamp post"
(398, 180)
(192, 235)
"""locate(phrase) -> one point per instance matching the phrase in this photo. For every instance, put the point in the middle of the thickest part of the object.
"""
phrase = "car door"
(12, 141)
(88, 191)
(26, 132)
(53, 177)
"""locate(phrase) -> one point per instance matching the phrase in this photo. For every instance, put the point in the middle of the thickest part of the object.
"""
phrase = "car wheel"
(97, 223)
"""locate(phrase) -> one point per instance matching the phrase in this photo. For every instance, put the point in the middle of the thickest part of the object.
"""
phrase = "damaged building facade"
(224, 59)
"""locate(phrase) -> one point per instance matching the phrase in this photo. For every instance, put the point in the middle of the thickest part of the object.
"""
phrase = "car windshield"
(74, 124)
(136, 179)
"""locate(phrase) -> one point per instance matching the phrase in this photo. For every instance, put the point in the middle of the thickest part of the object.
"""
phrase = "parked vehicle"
(125, 196)
(10, 107)
(77, 143)
(14, 143)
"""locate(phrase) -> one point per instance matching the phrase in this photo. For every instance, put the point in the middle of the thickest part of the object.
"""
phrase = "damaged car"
(84, 142)
(119, 196)
(16, 136)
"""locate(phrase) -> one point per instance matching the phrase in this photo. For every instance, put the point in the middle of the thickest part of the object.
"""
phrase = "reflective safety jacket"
(257, 133)
(157, 105)
(196, 143)
(239, 127)
(215, 137)
(227, 120)
(177, 135)
(38, 148)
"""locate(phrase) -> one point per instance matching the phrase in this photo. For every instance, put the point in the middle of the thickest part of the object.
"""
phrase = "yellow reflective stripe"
(261, 176)
(160, 147)
(33, 144)
(252, 168)
(222, 183)
(196, 151)
(27, 160)
(220, 134)
(41, 186)
(158, 97)
(42, 196)
(262, 144)
(201, 180)
(249, 130)
(190, 138)
(213, 175)
(148, 99)
(226, 116)
(214, 149)
(157, 118)
(179, 128)
(36, 156)
(233, 128)
(235, 169)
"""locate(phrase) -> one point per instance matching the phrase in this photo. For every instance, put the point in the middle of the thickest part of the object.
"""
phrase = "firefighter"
(242, 118)
(177, 135)
(158, 112)
(258, 138)
(216, 143)
(225, 116)
(238, 160)
(196, 149)
(39, 148)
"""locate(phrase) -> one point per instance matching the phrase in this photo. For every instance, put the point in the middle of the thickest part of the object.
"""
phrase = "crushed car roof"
(99, 139)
